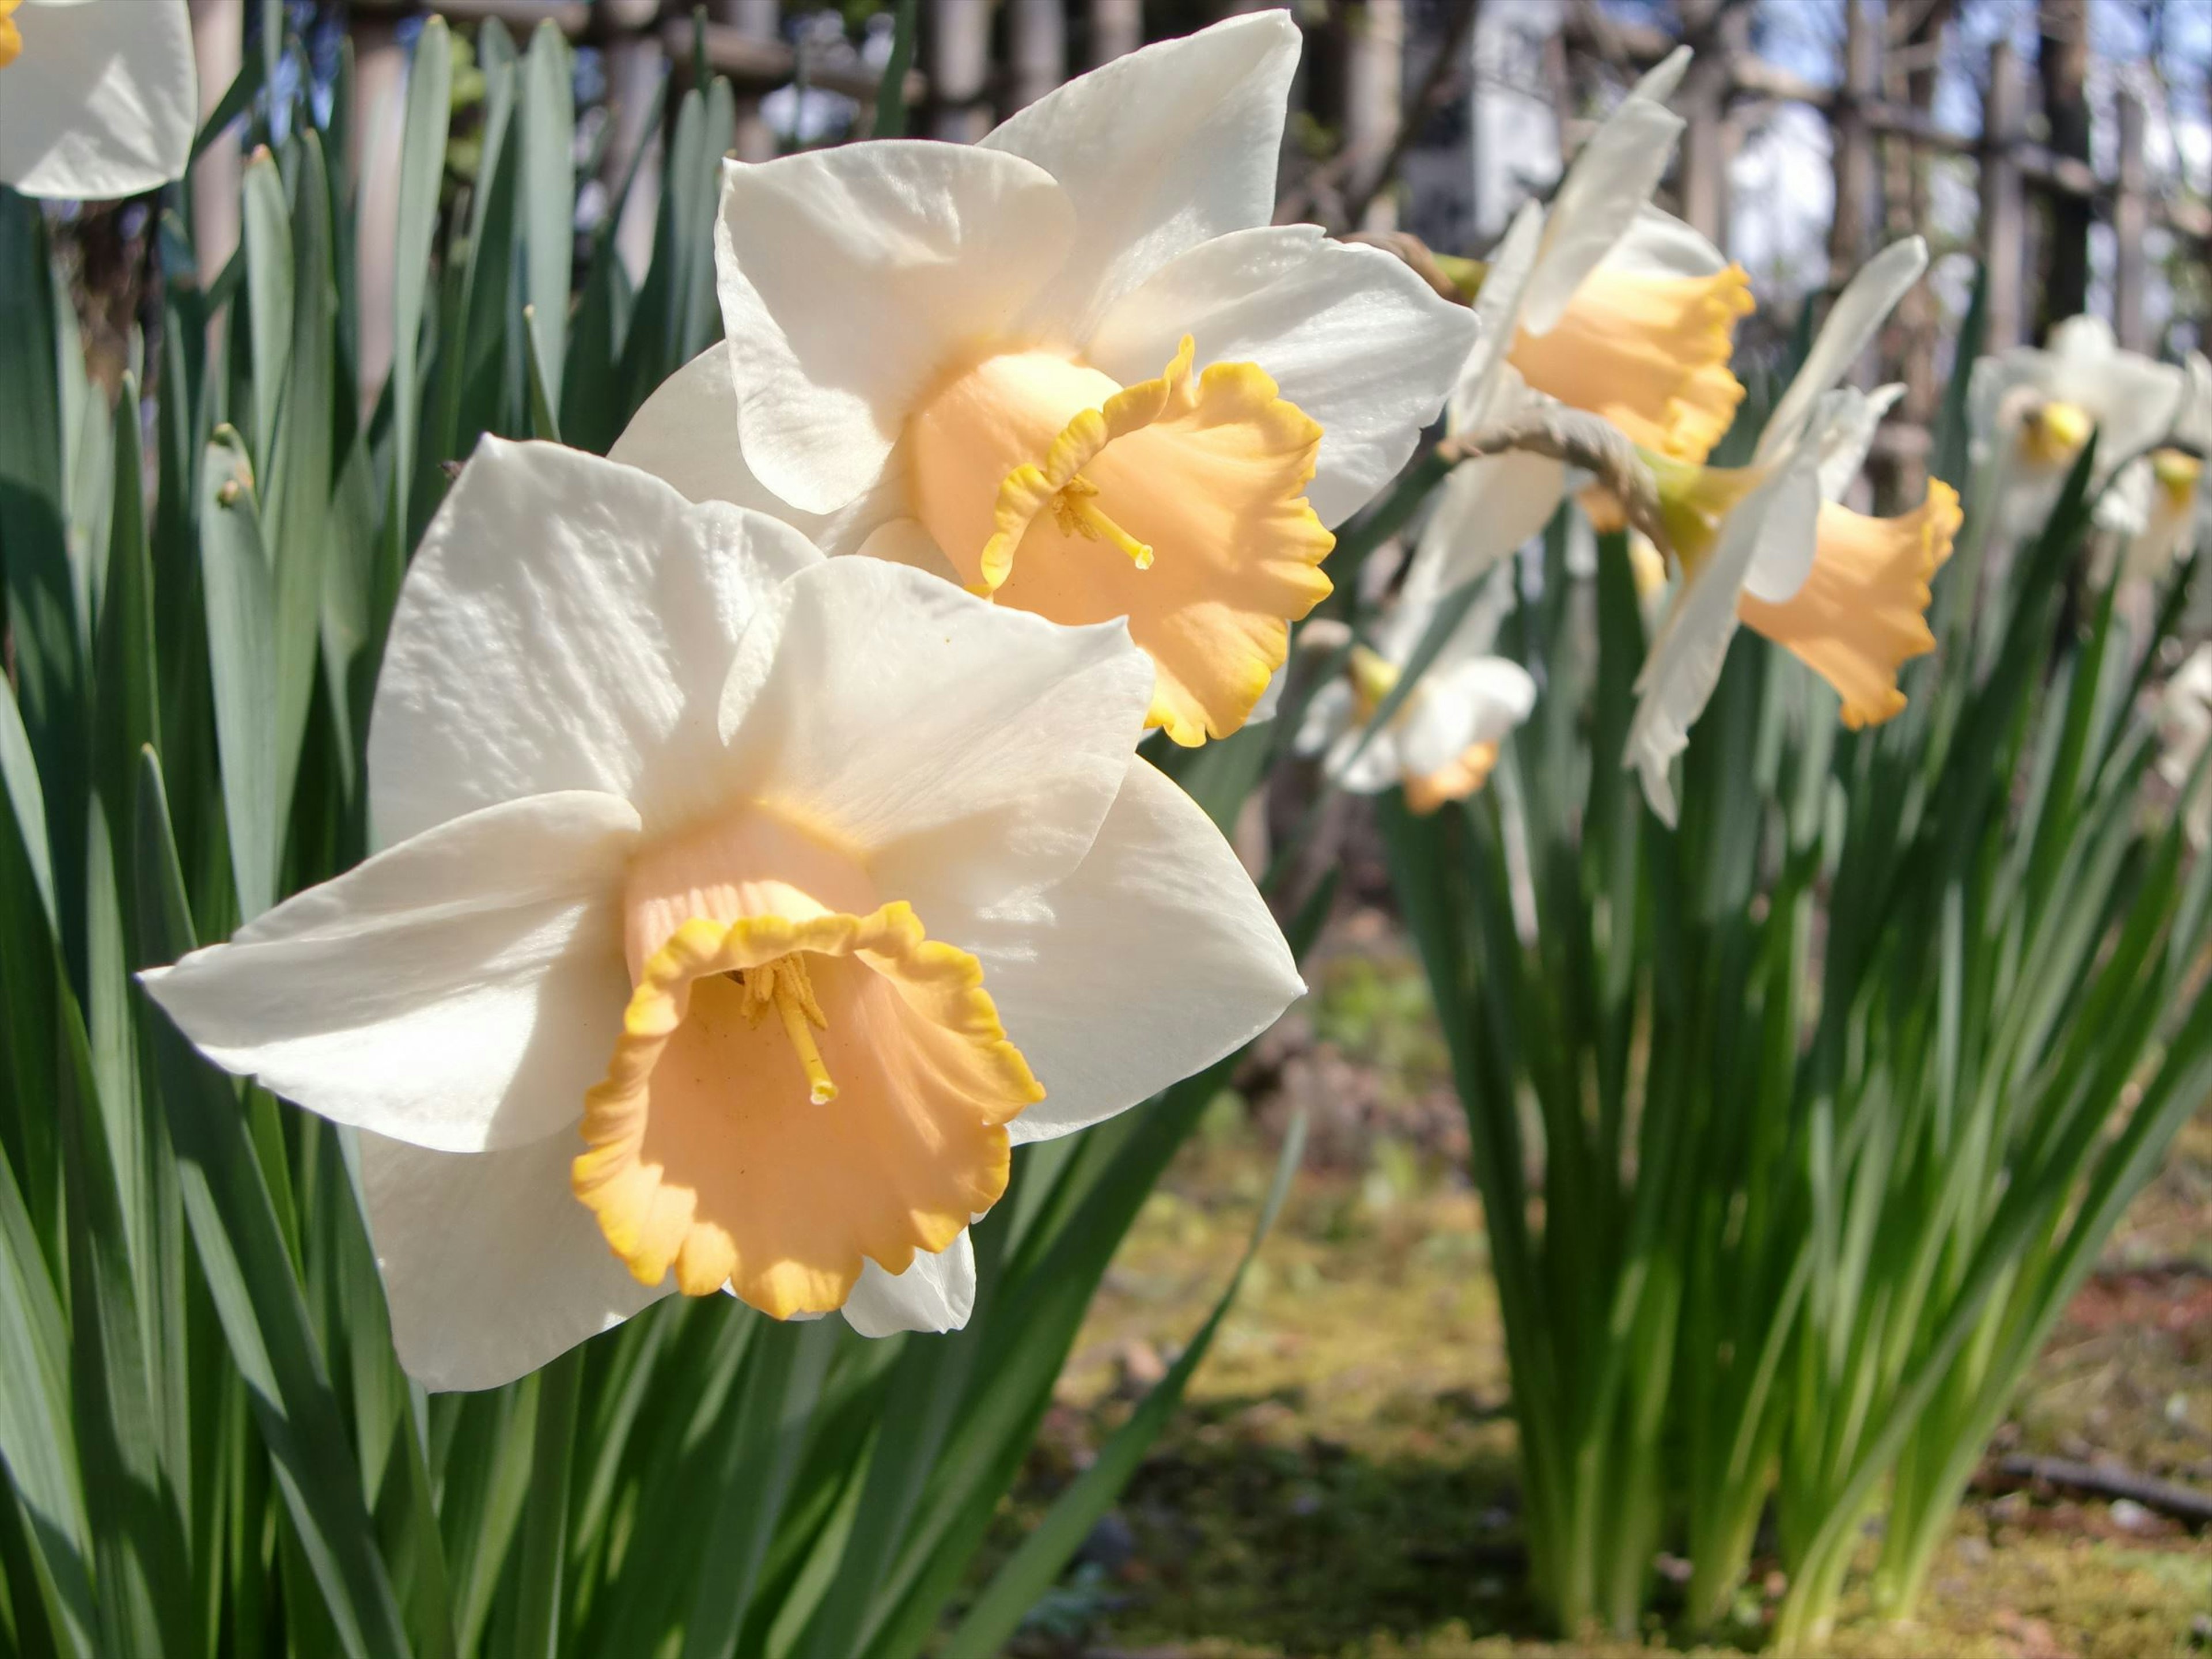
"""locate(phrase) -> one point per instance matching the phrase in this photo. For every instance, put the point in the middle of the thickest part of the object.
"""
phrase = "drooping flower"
(2032, 410)
(2184, 729)
(738, 909)
(1442, 739)
(1768, 543)
(99, 99)
(1073, 367)
(1604, 303)
(2160, 495)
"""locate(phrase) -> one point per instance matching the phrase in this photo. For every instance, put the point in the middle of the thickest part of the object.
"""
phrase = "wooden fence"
(1380, 74)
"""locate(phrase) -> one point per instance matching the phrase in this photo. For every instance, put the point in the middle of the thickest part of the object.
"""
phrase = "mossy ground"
(1341, 1482)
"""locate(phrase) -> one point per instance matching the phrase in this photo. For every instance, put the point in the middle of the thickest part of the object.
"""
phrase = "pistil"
(1076, 511)
(783, 985)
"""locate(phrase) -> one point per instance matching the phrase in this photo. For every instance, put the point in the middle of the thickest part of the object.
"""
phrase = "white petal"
(460, 991)
(1365, 765)
(1477, 701)
(1271, 699)
(850, 280)
(1660, 245)
(1151, 961)
(1497, 317)
(567, 624)
(935, 1293)
(1687, 658)
(1159, 150)
(960, 749)
(1327, 716)
(686, 435)
(1660, 80)
(1486, 509)
(1846, 432)
(907, 542)
(1348, 333)
(491, 1267)
(1860, 310)
(104, 101)
(1609, 183)
(2134, 401)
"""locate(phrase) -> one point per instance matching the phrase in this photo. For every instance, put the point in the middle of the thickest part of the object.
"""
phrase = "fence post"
(2004, 212)
(1117, 28)
(379, 92)
(755, 140)
(2131, 219)
(1037, 45)
(1719, 30)
(959, 52)
(1850, 237)
(635, 66)
(218, 42)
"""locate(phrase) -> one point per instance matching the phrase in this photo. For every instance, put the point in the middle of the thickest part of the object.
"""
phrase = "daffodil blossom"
(1768, 544)
(1441, 741)
(1604, 303)
(2184, 728)
(99, 99)
(2032, 410)
(1073, 368)
(2160, 493)
(738, 910)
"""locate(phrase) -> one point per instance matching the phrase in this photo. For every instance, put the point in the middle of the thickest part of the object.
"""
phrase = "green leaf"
(1027, 1574)
(297, 489)
(249, 1272)
(241, 624)
(50, 673)
(549, 192)
(535, 1598)
(270, 277)
(891, 96)
(421, 172)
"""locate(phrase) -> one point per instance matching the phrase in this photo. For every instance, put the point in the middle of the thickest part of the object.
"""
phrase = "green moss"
(1342, 1484)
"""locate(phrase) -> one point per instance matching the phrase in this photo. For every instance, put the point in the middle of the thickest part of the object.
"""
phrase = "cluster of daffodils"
(1603, 309)
(99, 99)
(739, 906)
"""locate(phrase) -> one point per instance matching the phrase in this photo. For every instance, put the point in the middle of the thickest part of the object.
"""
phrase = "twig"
(1581, 440)
(2104, 1480)
(1415, 252)
(1441, 76)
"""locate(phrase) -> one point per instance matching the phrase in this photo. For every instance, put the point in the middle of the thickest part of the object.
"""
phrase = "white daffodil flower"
(738, 909)
(1770, 545)
(99, 99)
(1604, 303)
(2184, 727)
(1073, 366)
(1442, 741)
(2031, 411)
(2160, 493)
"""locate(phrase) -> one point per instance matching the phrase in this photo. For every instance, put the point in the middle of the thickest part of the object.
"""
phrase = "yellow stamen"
(2052, 433)
(2176, 471)
(1649, 353)
(1076, 512)
(1862, 613)
(783, 985)
(1021, 461)
(11, 37)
